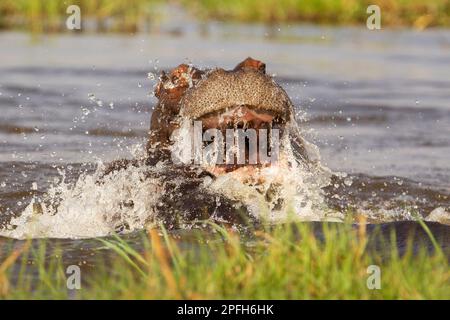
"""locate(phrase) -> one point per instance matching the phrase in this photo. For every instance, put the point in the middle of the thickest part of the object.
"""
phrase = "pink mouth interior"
(241, 117)
(253, 117)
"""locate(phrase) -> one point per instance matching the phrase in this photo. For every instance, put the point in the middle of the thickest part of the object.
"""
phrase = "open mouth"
(238, 117)
(252, 145)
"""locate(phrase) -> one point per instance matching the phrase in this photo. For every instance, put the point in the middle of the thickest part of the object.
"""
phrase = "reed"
(137, 15)
(416, 13)
(98, 15)
(283, 262)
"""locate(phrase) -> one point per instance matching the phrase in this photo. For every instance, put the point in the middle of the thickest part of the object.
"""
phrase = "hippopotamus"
(244, 97)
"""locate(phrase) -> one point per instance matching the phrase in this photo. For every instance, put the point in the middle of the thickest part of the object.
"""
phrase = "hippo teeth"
(243, 119)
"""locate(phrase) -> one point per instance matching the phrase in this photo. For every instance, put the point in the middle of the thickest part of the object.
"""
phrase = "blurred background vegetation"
(144, 15)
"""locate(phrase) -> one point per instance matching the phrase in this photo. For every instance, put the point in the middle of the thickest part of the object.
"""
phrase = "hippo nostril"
(262, 67)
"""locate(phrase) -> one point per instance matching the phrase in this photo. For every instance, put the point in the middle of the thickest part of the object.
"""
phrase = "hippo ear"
(251, 63)
(175, 77)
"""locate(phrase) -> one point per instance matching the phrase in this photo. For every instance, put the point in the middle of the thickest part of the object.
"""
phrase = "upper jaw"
(193, 93)
(221, 90)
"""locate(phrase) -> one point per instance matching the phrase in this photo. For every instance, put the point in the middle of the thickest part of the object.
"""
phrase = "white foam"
(439, 215)
(89, 208)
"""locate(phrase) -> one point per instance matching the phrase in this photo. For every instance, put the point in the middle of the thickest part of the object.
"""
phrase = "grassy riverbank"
(283, 263)
(141, 15)
(418, 13)
(99, 15)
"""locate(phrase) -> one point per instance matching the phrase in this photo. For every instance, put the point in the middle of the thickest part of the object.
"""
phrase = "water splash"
(128, 199)
(92, 207)
(291, 188)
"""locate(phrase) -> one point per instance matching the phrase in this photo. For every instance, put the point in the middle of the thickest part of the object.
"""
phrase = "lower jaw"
(224, 169)
(243, 174)
(255, 174)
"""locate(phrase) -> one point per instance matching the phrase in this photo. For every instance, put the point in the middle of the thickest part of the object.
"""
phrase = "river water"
(376, 103)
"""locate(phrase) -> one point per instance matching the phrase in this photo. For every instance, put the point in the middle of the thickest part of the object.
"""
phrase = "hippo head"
(244, 99)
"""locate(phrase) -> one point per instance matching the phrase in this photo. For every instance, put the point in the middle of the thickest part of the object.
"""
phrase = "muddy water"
(377, 105)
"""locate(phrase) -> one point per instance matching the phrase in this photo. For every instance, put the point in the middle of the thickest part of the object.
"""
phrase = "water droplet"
(85, 111)
(348, 181)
